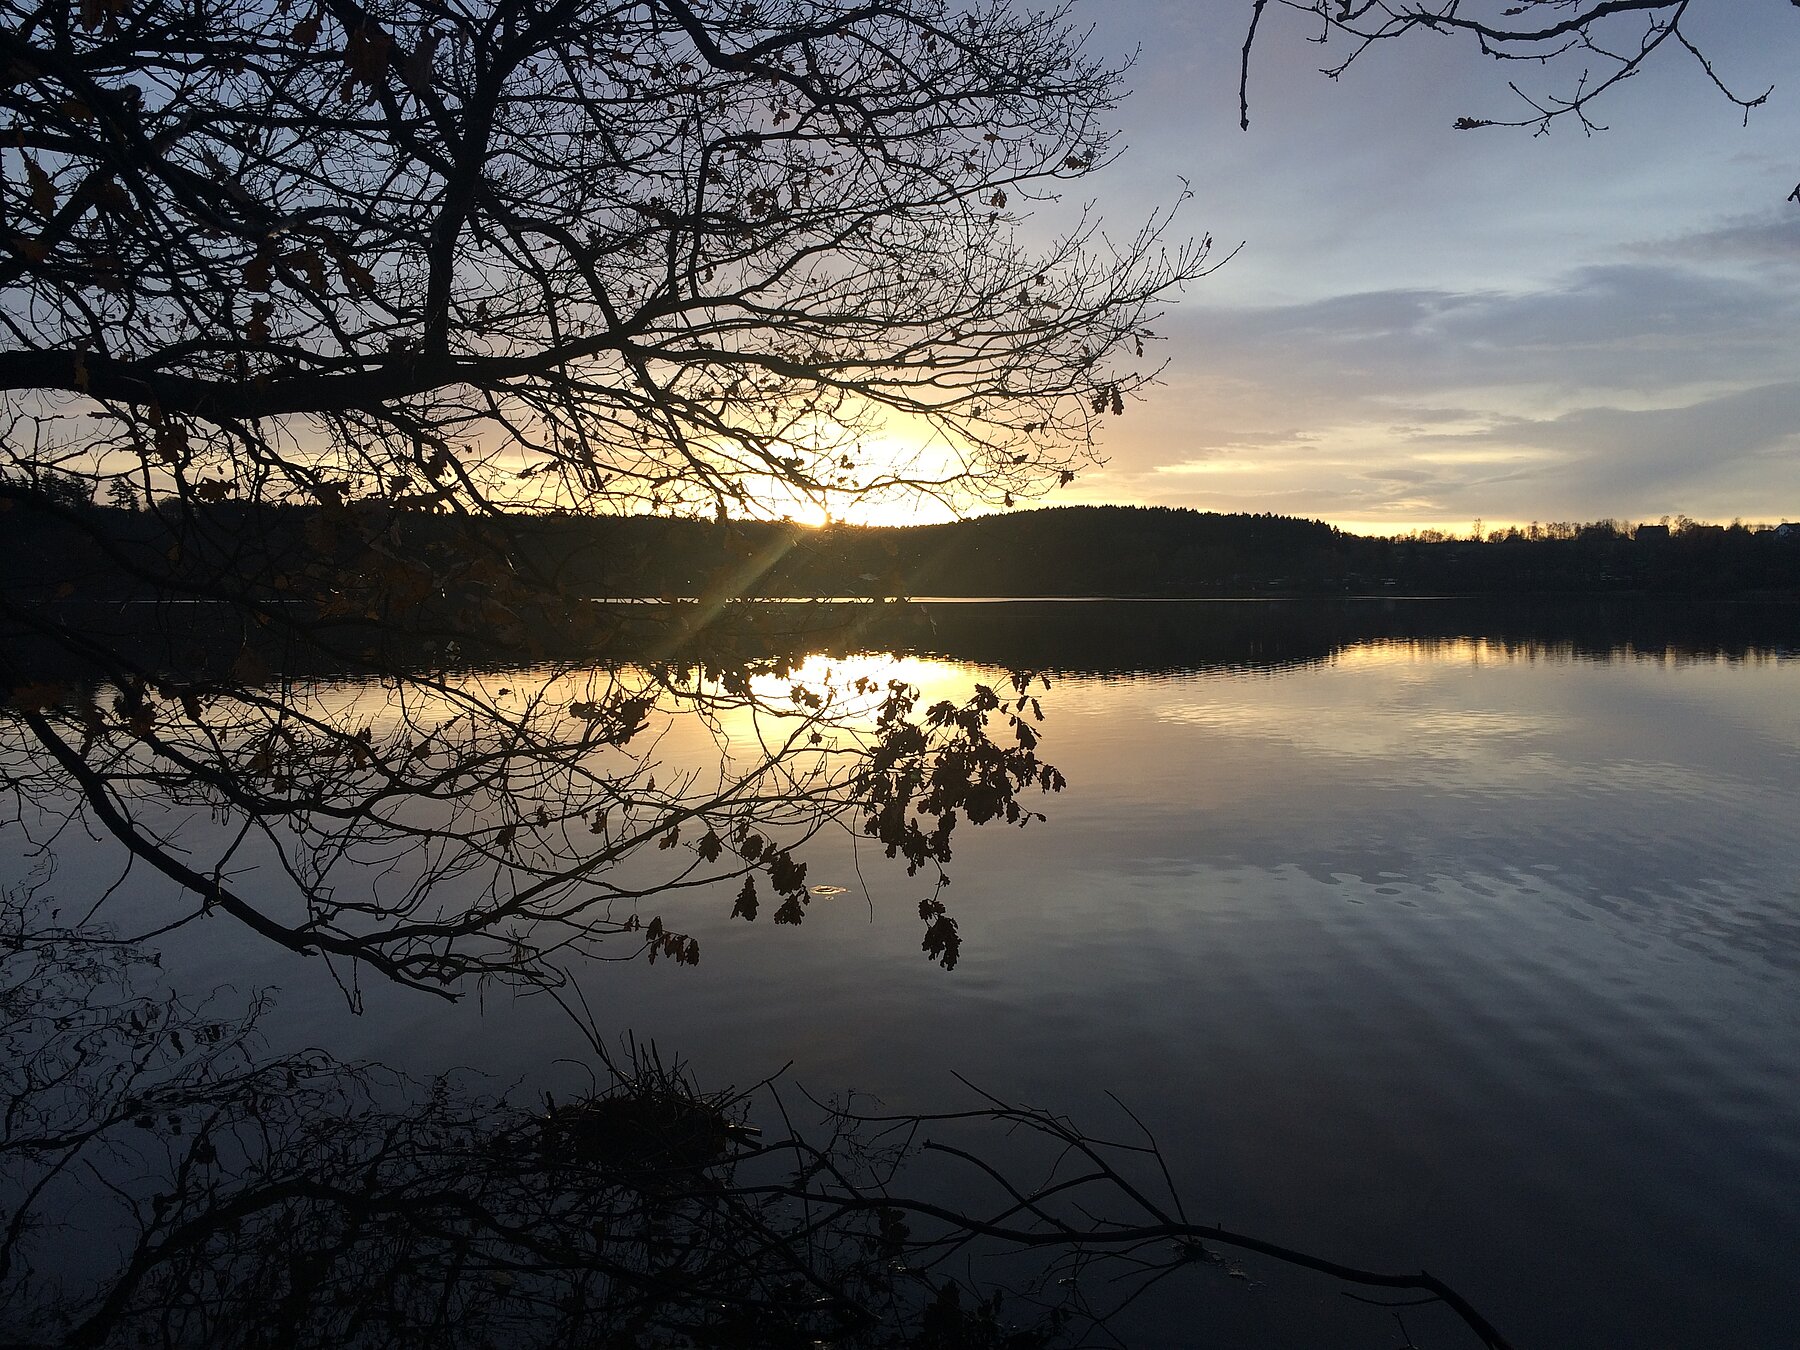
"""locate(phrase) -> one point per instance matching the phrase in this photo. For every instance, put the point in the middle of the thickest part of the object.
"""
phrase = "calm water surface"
(1440, 951)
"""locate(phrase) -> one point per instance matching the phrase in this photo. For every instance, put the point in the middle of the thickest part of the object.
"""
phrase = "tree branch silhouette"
(338, 295)
(1602, 42)
(235, 1195)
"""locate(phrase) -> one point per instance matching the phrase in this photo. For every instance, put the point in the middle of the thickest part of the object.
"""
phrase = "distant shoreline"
(1060, 554)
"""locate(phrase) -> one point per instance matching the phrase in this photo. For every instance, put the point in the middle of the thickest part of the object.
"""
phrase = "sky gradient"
(1426, 326)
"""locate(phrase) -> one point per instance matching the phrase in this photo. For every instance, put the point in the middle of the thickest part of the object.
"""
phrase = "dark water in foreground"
(1414, 945)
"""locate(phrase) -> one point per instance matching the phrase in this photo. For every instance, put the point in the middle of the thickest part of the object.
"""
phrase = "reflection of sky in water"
(1522, 933)
(1660, 794)
(1419, 956)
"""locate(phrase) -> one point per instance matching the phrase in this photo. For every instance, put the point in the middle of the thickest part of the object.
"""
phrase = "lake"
(1421, 934)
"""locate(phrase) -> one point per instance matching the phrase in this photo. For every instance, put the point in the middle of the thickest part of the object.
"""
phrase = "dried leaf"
(306, 32)
(43, 191)
(746, 901)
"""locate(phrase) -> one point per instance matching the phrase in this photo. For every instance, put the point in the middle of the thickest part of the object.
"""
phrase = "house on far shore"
(1787, 531)
(1651, 534)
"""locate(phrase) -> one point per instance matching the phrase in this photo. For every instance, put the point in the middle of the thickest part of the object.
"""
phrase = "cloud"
(1742, 440)
(1630, 386)
(1430, 325)
(1634, 327)
(1765, 237)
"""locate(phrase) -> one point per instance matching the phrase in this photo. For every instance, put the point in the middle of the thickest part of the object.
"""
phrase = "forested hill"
(64, 547)
(1076, 550)
(1160, 551)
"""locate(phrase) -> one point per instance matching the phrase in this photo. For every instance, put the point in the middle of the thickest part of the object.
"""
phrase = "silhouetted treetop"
(658, 252)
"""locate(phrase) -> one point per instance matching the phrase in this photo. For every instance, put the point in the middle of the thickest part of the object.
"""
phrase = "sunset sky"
(1428, 326)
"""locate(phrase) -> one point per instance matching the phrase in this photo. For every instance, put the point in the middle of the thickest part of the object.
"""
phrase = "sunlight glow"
(912, 509)
(906, 453)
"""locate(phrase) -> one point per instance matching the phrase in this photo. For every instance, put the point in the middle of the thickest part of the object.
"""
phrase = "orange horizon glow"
(903, 514)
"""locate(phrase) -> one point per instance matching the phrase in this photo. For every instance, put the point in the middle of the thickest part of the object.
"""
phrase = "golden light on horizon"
(915, 509)
(905, 469)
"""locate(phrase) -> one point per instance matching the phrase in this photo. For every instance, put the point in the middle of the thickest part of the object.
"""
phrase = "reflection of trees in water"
(435, 826)
(1156, 636)
(435, 823)
(225, 1196)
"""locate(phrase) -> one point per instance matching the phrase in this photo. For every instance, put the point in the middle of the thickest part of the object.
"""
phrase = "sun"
(914, 509)
(906, 470)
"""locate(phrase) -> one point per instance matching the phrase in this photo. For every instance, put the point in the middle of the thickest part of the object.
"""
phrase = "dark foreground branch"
(224, 1196)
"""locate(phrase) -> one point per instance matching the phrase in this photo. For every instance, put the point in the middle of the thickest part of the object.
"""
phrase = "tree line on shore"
(59, 545)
